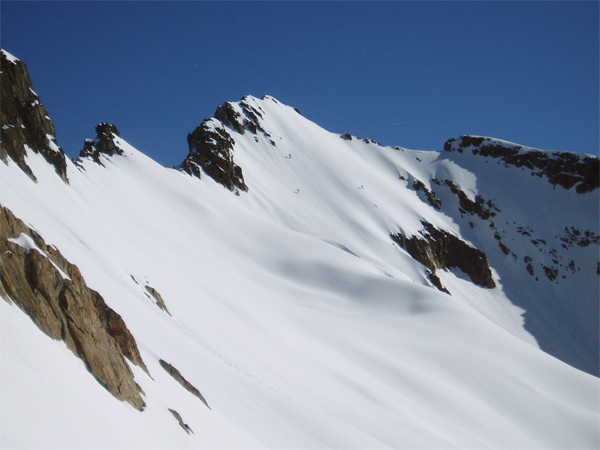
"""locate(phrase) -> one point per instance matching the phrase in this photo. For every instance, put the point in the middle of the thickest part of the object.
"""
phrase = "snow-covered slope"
(290, 307)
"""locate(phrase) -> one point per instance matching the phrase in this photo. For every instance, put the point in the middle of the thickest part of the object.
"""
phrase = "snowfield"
(293, 312)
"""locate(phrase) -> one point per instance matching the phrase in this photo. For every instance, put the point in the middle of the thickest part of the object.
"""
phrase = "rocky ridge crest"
(104, 144)
(211, 152)
(563, 168)
(25, 121)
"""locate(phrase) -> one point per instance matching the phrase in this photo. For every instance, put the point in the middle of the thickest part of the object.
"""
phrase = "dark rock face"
(430, 195)
(435, 280)
(583, 238)
(440, 249)
(563, 168)
(248, 119)
(211, 151)
(179, 378)
(104, 144)
(211, 144)
(50, 290)
(480, 207)
(25, 121)
(227, 114)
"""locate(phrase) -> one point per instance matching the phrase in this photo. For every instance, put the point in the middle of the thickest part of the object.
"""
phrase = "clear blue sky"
(412, 74)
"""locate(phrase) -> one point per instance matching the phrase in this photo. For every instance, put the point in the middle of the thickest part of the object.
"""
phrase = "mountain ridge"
(292, 308)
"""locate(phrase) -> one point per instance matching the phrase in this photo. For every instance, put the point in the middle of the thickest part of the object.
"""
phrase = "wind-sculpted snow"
(294, 313)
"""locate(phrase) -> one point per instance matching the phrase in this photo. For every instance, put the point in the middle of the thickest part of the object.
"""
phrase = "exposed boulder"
(41, 282)
(563, 168)
(438, 249)
(25, 121)
(104, 144)
(211, 151)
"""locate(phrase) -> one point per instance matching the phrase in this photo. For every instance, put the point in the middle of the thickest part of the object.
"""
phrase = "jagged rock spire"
(25, 121)
(211, 151)
(103, 144)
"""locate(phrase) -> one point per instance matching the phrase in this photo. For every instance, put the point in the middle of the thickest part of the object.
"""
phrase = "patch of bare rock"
(52, 292)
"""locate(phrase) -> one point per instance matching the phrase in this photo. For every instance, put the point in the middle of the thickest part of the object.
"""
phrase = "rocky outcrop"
(158, 298)
(25, 121)
(430, 195)
(438, 249)
(179, 419)
(435, 280)
(241, 116)
(244, 115)
(104, 144)
(563, 168)
(211, 152)
(52, 292)
(583, 238)
(478, 207)
(182, 381)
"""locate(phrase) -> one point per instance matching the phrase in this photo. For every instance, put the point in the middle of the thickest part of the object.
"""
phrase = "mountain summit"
(286, 286)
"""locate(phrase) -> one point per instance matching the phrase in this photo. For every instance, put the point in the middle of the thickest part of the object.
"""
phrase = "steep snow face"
(543, 242)
(540, 236)
(292, 311)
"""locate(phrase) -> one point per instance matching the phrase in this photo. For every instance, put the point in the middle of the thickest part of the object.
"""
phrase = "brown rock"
(563, 168)
(179, 378)
(64, 308)
(159, 300)
(435, 280)
(440, 249)
(211, 151)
